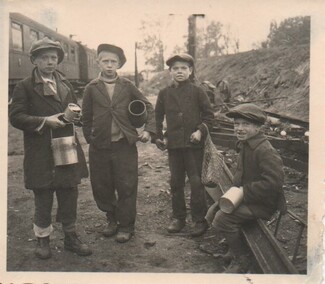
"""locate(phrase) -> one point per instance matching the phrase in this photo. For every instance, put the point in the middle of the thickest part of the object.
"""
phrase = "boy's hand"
(144, 137)
(161, 144)
(53, 121)
(196, 137)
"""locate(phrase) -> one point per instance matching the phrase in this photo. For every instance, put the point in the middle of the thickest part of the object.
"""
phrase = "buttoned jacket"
(260, 172)
(30, 105)
(186, 107)
(99, 110)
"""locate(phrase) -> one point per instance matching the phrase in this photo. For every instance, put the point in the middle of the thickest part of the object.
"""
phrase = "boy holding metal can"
(112, 137)
(37, 108)
(259, 175)
(186, 107)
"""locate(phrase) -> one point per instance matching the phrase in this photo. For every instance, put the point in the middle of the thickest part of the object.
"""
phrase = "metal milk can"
(64, 148)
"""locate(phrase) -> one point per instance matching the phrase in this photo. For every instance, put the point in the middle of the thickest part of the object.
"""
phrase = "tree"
(216, 40)
(152, 44)
(208, 42)
(291, 31)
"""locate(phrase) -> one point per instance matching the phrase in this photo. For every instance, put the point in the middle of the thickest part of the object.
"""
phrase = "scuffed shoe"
(199, 228)
(238, 265)
(72, 243)
(110, 229)
(43, 250)
(123, 237)
(227, 257)
(176, 226)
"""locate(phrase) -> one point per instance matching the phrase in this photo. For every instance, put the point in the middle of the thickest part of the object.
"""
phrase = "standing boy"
(37, 104)
(259, 175)
(186, 107)
(113, 155)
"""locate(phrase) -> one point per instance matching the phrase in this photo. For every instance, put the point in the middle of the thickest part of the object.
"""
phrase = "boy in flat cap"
(259, 175)
(113, 156)
(186, 107)
(37, 104)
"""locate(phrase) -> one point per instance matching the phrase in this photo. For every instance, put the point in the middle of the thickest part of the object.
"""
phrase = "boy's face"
(108, 63)
(180, 71)
(244, 129)
(46, 61)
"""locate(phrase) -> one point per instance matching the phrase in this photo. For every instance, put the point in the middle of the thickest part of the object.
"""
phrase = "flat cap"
(46, 43)
(114, 49)
(184, 57)
(248, 111)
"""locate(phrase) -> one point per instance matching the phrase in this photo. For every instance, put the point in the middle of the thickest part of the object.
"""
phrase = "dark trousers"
(112, 171)
(187, 161)
(229, 226)
(67, 207)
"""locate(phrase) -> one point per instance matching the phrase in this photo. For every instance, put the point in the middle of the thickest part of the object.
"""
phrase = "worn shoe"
(199, 228)
(227, 257)
(176, 226)
(123, 237)
(43, 250)
(238, 265)
(110, 229)
(72, 243)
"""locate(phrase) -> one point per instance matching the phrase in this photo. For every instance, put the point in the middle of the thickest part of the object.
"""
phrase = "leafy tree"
(209, 42)
(291, 31)
(152, 44)
(215, 40)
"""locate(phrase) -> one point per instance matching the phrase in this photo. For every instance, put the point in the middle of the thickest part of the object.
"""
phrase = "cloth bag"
(213, 164)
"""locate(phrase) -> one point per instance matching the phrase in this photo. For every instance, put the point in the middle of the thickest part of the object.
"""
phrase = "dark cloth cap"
(114, 49)
(248, 111)
(184, 57)
(46, 43)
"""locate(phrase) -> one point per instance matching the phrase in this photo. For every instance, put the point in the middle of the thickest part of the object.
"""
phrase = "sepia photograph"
(154, 141)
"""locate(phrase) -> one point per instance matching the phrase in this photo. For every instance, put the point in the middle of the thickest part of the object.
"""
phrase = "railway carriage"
(79, 64)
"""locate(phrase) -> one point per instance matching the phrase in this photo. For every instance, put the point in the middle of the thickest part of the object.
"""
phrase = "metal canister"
(231, 199)
(71, 112)
(137, 113)
(64, 150)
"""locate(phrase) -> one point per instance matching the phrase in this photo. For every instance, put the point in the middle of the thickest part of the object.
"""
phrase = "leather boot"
(72, 243)
(176, 226)
(43, 250)
(199, 228)
(110, 229)
(239, 265)
(123, 237)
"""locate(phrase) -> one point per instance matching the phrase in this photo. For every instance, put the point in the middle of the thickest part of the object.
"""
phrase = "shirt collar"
(38, 77)
(252, 142)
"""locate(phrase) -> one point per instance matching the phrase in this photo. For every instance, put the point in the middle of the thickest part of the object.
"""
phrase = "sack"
(213, 164)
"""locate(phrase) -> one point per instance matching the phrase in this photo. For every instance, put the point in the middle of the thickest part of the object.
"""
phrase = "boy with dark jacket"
(38, 102)
(259, 175)
(186, 107)
(113, 155)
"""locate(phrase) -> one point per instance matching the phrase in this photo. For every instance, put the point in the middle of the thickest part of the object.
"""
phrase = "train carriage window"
(17, 36)
(33, 35)
(73, 54)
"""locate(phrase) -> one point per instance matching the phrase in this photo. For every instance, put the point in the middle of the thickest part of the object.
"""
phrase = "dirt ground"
(152, 249)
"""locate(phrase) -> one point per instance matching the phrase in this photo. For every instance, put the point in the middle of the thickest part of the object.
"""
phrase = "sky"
(118, 22)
